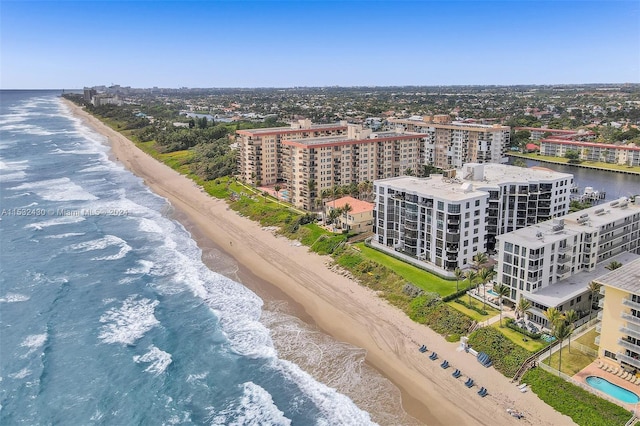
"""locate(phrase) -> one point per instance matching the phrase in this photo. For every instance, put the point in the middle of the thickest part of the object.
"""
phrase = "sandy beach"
(341, 307)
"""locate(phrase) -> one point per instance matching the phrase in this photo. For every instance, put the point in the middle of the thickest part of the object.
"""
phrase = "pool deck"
(593, 370)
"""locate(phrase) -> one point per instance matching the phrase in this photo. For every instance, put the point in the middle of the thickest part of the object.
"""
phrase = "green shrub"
(584, 408)
(472, 307)
(506, 356)
(510, 322)
(447, 321)
(455, 295)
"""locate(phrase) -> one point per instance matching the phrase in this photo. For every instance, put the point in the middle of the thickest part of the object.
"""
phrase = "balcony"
(628, 345)
(601, 303)
(597, 340)
(565, 249)
(599, 328)
(599, 316)
(564, 259)
(630, 303)
(630, 332)
(630, 318)
(629, 360)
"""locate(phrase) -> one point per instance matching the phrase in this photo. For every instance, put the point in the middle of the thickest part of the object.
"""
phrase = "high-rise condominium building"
(449, 145)
(441, 222)
(552, 263)
(312, 165)
(261, 152)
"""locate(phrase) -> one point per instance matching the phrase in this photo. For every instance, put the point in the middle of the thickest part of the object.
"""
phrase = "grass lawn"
(572, 362)
(531, 345)
(588, 339)
(491, 312)
(584, 408)
(417, 276)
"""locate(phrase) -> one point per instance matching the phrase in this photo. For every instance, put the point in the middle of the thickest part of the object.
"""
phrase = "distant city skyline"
(67, 44)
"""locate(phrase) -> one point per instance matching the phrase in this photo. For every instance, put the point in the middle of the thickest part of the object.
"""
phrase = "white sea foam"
(13, 170)
(66, 235)
(129, 322)
(336, 408)
(196, 377)
(64, 220)
(14, 297)
(62, 189)
(144, 268)
(28, 129)
(20, 374)
(159, 360)
(12, 177)
(150, 226)
(101, 244)
(256, 407)
(34, 342)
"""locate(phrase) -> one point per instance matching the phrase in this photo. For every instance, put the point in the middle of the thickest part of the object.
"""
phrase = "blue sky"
(58, 44)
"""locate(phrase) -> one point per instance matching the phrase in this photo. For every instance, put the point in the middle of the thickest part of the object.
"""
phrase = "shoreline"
(338, 306)
(583, 166)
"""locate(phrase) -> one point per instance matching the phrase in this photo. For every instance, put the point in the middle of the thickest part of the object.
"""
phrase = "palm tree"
(485, 276)
(471, 276)
(311, 185)
(594, 289)
(502, 291)
(613, 265)
(345, 210)
(561, 331)
(571, 317)
(459, 274)
(480, 259)
(277, 189)
(554, 317)
(523, 306)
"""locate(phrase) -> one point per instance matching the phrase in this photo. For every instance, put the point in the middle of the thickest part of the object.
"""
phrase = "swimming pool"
(493, 293)
(612, 390)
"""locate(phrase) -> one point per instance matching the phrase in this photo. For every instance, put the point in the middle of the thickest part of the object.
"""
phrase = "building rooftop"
(434, 186)
(573, 286)
(357, 206)
(452, 124)
(291, 129)
(500, 174)
(344, 139)
(627, 277)
(587, 220)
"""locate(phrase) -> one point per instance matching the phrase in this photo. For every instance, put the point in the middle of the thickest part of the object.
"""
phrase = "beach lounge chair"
(445, 364)
(456, 373)
(469, 383)
(620, 373)
(483, 392)
(524, 389)
(423, 349)
(522, 386)
(433, 356)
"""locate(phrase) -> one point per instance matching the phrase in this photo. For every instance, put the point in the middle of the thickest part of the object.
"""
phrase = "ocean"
(109, 316)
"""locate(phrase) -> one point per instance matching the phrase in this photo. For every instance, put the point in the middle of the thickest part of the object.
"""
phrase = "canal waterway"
(615, 185)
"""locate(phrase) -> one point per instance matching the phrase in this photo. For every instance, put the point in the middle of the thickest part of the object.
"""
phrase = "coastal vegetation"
(506, 356)
(584, 408)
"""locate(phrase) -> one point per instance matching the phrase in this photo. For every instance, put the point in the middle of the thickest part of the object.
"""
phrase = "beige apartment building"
(260, 151)
(312, 165)
(619, 326)
(449, 144)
